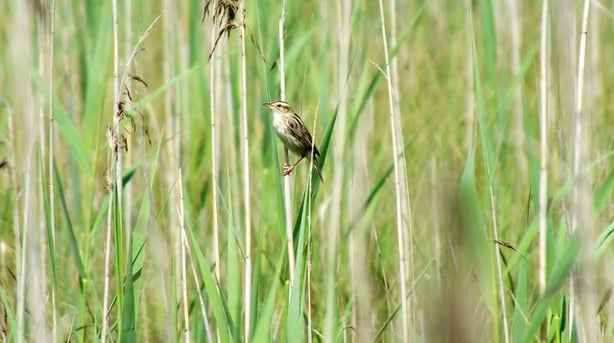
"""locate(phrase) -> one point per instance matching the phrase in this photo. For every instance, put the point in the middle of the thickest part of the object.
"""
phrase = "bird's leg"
(288, 169)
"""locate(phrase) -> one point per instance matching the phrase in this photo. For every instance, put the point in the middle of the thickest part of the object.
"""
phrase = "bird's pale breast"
(281, 127)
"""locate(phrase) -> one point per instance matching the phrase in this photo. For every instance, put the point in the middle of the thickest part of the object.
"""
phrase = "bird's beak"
(267, 104)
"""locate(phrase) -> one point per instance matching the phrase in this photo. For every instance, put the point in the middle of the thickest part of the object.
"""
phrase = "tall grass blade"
(479, 244)
(72, 238)
(217, 303)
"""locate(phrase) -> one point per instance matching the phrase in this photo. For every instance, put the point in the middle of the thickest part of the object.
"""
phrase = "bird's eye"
(278, 105)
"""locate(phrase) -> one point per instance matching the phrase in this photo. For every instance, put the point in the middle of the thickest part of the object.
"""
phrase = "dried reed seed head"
(122, 143)
(126, 110)
(117, 141)
(230, 7)
(111, 137)
(223, 9)
(138, 79)
(121, 105)
(108, 181)
(504, 244)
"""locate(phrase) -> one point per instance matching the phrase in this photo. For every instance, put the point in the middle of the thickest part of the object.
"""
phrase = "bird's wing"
(299, 129)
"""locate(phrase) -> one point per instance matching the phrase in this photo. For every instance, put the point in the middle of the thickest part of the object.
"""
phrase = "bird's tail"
(316, 167)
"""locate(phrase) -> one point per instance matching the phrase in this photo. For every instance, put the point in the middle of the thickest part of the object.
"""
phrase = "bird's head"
(279, 106)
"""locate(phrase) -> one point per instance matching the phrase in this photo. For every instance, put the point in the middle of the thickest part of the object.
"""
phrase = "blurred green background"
(443, 246)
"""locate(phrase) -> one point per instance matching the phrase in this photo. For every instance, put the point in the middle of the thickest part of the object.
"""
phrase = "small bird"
(294, 134)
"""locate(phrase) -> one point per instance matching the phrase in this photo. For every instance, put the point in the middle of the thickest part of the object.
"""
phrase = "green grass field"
(466, 152)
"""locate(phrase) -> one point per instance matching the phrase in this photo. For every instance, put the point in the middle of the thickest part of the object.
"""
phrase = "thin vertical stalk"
(470, 103)
(115, 175)
(574, 303)
(246, 178)
(495, 230)
(50, 163)
(436, 202)
(184, 277)
(128, 194)
(23, 143)
(201, 299)
(309, 242)
(397, 183)
(169, 36)
(214, 151)
(578, 112)
(43, 249)
(286, 157)
(308, 287)
(282, 40)
(512, 6)
(362, 292)
(343, 21)
(19, 251)
(116, 187)
(490, 168)
(107, 271)
(543, 164)
(493, 213)
(188, 252)
(173, 106)
(214, 90)
(404, 184)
